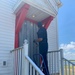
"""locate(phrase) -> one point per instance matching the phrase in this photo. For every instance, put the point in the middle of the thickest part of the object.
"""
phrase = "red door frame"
(20, 18)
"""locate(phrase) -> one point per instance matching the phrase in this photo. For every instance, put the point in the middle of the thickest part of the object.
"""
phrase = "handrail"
(69, 67)
(16, 49)
(54, 59)
(69, 61)
(23, 64)
(66, 66)
(33, 64)
(17, 58)
(54, 51)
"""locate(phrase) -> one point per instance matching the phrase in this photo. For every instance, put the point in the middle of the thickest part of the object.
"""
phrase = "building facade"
(37, 10)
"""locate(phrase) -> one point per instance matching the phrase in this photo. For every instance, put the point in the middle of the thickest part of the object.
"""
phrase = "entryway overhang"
(36, 11)
(32, 11)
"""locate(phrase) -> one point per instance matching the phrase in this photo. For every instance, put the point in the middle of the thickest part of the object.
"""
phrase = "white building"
(14, 14)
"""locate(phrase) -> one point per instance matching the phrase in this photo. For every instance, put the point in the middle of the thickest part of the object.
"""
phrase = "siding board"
(7, 32)
(52, 35)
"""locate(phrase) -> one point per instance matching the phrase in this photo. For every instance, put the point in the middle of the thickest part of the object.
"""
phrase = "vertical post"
(62, 63)
(26, 63)
(26, 47)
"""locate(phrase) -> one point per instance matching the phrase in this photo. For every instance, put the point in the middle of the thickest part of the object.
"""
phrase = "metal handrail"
(42, 62)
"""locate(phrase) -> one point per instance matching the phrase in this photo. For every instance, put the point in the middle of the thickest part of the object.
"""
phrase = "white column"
(26, 63)
(25, 47)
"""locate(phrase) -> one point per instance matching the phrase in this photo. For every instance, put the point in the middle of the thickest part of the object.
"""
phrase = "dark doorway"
(29, 32)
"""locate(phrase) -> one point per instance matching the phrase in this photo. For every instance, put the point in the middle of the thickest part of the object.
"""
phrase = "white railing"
(30, 66)
(23, 64)
(55, 62)
(69, 67)
(34, 70)
(17, 58)
(58, 65)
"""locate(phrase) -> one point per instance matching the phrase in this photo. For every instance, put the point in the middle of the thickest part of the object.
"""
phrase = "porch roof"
(36, 12)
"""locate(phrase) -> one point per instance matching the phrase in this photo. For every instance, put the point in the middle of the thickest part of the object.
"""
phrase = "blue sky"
(66, 28)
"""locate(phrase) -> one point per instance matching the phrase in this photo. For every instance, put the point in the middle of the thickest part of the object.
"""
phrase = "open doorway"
(29, 32)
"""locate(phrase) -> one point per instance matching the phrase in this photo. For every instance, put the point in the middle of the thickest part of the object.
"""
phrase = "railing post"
(26, 63)
(62, 62)
(25, 47)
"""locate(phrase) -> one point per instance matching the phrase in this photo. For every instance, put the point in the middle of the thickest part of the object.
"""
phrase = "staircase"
(57, 64)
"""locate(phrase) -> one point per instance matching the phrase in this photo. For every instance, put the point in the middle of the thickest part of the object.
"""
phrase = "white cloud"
(70, 46)
(69, 50)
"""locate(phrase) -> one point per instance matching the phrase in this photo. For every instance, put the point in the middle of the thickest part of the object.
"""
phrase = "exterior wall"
(7, 32)
(54, 4)
(53, 35)
(49, 6)
(41, 3)
(45, 3)
(52, 46)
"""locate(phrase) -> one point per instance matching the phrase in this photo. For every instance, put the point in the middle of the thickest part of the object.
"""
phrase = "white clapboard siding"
(7, 32)
(53, 44)
(54, 4)
(53, 35)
